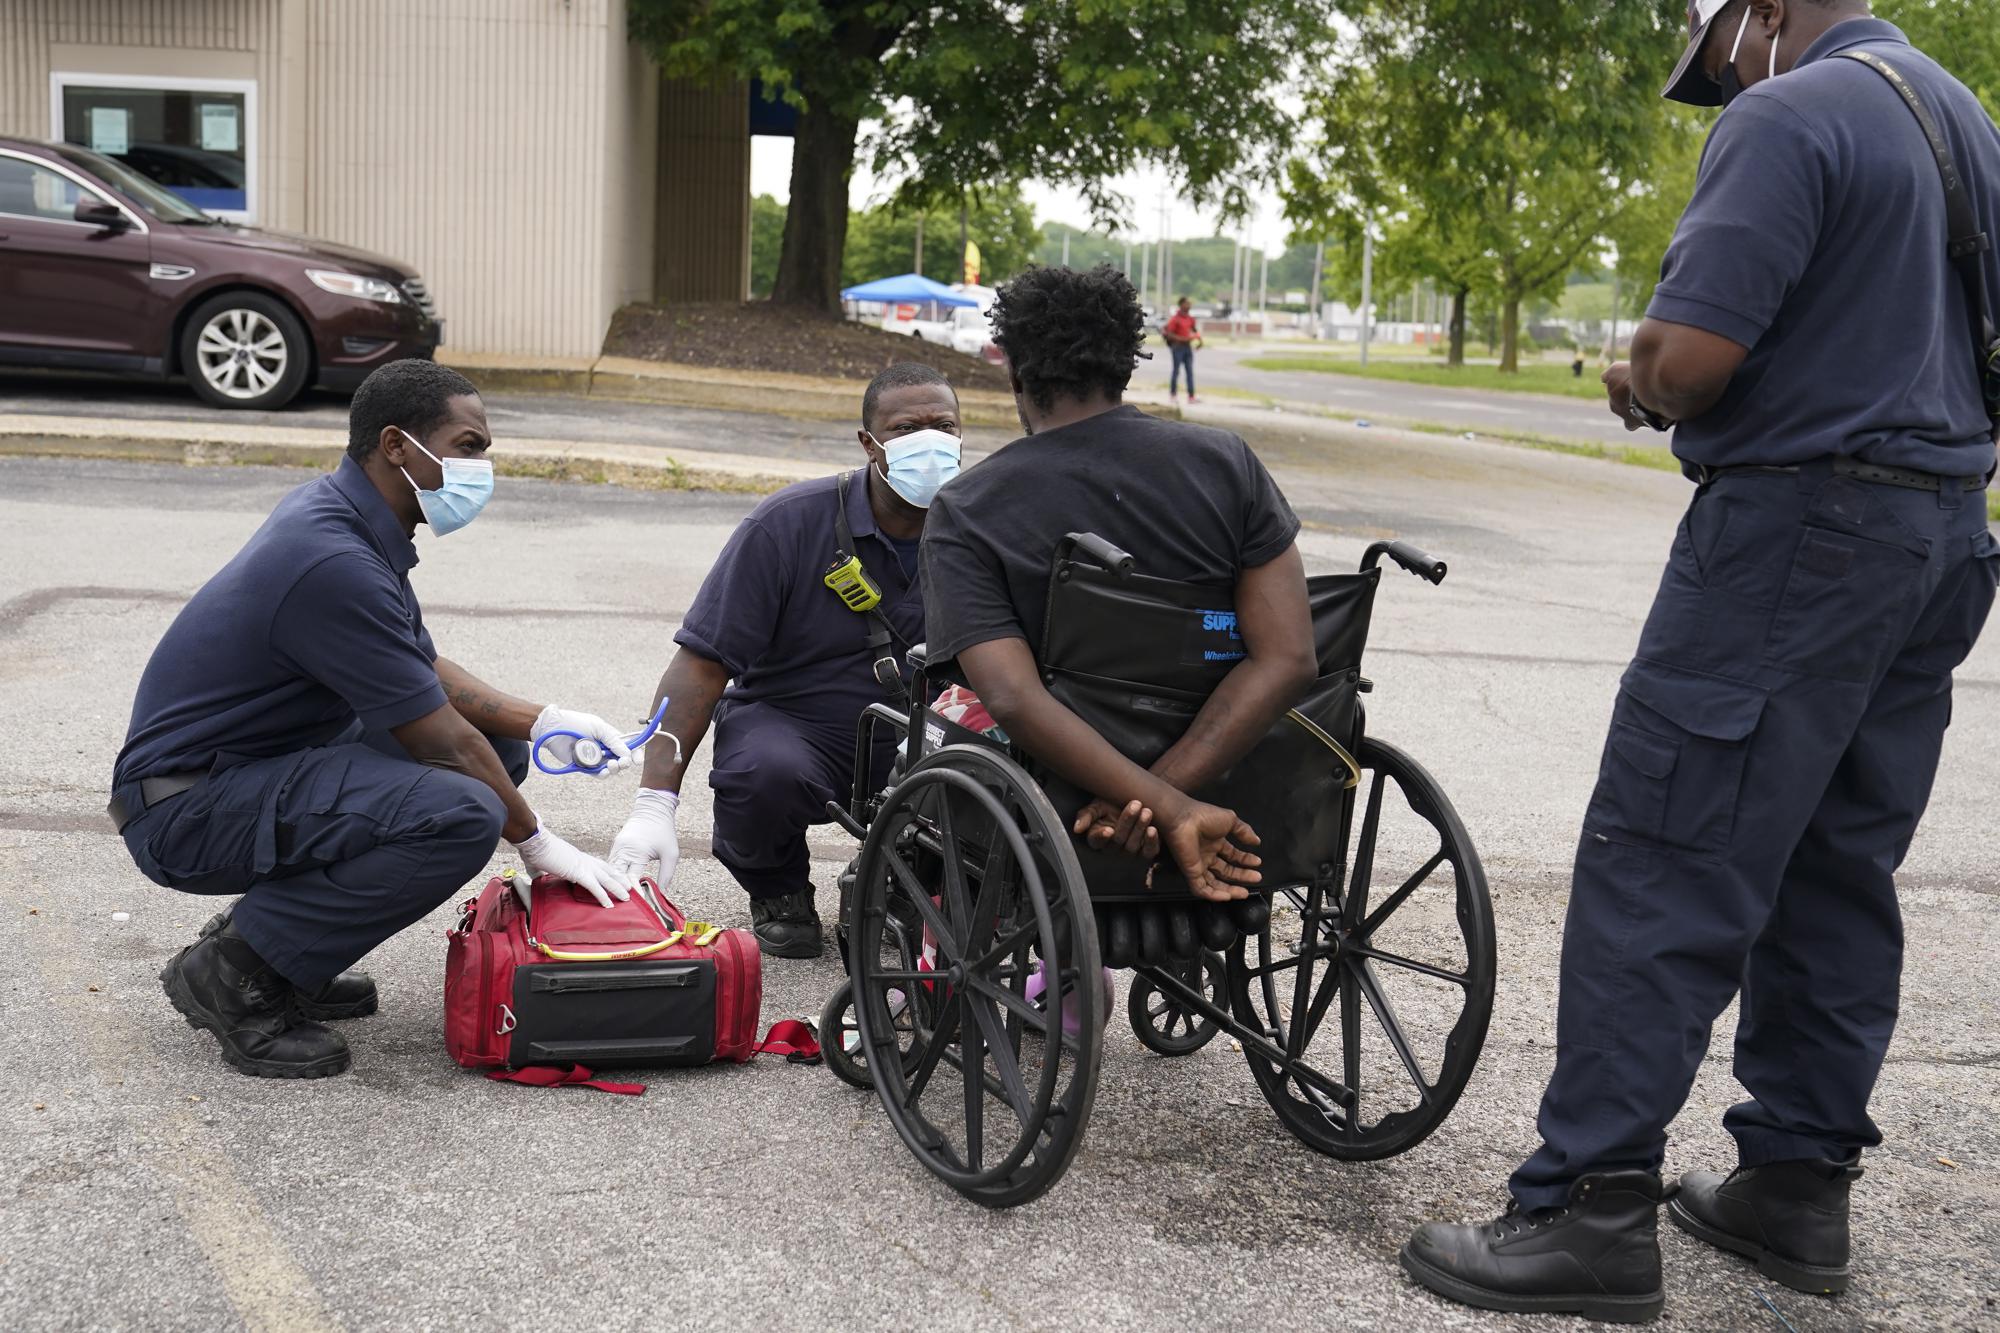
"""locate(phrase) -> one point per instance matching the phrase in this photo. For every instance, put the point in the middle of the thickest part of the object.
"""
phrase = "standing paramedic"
(784, 646)
(1774, 740)
(1183, 336)
(298, 740)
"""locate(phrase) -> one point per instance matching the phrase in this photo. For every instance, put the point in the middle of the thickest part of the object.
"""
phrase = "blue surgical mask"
(920, 463)
(468, 485)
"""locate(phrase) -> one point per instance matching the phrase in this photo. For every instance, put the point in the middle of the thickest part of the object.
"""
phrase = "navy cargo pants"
(772, 774)
(1771, 751)
(334, 849)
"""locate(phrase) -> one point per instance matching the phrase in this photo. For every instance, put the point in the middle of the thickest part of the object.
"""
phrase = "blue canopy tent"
(908, 289)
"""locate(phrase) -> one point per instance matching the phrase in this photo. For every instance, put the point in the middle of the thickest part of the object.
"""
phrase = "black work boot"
(220, 983)
(1790, 1217)
(349, 995)
(787, 927)
(1599, 1257)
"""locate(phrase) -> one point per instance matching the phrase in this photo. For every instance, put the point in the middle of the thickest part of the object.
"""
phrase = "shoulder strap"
(1966, 243)
(881, 634)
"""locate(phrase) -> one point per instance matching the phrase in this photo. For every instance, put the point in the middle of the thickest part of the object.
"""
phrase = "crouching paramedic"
(297, 740)
(779, 652)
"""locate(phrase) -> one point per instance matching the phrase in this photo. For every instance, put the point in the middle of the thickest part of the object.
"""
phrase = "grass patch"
(1533, 377)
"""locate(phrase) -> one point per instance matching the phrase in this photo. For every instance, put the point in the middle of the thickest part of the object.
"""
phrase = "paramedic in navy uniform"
(776, 659)
(1774, 739)
(297, 740)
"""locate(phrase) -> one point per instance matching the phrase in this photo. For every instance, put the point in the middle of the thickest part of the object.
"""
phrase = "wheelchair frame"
(905, 1020)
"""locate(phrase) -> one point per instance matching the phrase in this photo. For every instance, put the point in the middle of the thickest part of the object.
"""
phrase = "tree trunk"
(1459, 296)
(816, 221)
(1510, 334)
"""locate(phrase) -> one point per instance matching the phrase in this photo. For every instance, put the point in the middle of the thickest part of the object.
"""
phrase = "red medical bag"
(573, 983)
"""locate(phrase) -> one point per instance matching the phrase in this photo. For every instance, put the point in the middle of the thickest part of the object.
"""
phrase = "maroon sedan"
(101, 269)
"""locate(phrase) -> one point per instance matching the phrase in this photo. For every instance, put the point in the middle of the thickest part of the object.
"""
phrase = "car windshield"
(163, 205)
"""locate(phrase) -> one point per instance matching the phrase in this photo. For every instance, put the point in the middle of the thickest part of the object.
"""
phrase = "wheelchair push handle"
(1103, 552)
(1420, 563)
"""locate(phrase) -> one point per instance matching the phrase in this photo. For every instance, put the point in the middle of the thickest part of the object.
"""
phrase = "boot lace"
(1518, 1219)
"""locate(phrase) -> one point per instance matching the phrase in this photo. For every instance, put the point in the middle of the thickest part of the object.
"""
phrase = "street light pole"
(1367, 286)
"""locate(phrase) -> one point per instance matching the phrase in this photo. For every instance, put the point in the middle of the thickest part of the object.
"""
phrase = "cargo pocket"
(1673, 765)
(1848, 598)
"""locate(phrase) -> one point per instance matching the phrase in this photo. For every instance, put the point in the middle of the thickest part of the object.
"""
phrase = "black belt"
(1878, 474)
(134, 798)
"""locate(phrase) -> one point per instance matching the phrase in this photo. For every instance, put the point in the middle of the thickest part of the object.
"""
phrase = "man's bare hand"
(1130, 830)
(1210, 847)
(1617, 381)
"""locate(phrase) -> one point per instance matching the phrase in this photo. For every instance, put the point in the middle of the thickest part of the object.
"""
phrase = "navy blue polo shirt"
(1816, 238)
(313, 624)
(765, 612)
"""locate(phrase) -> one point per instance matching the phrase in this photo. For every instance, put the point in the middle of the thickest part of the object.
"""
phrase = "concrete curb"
(210, 444)
(698, 386)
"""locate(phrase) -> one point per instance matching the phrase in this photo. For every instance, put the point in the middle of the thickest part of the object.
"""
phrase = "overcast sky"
(771, 170)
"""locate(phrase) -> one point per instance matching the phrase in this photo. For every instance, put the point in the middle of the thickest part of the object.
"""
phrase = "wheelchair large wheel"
(1377, 979)
(969, 844)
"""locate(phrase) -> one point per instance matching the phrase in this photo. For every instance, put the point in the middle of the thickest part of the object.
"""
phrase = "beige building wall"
(514, 151)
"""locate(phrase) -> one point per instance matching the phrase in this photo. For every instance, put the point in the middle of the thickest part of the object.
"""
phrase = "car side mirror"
(98, 213)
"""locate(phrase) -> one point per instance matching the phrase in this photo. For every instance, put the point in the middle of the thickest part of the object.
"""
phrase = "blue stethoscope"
(587, 755)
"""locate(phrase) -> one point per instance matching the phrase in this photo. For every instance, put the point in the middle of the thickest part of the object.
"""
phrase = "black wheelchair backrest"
(1136, 657)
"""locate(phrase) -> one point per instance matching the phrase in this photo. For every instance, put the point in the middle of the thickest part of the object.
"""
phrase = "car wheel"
(245, 349)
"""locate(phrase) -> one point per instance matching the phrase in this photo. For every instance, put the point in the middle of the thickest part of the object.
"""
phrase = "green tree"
(1654, 206)
(971, 94)
(882, 242)
(767, 231)
(1502, 132)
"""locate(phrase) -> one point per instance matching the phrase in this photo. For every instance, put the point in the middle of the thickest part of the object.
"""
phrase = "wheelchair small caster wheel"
(1162, 1024)
(840, 1036)
(840, 1039)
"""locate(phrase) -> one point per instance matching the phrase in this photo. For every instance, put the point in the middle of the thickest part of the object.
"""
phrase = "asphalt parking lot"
(150, 1187)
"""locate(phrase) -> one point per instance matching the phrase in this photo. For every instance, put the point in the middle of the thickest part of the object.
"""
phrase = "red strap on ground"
(792, 1039)
(576, 1076)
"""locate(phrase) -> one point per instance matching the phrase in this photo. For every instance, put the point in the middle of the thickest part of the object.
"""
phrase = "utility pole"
(1611, 346)
(920, 244)
(1319, 280)
(1367, 286)
(1264, 295)
(1066, 232)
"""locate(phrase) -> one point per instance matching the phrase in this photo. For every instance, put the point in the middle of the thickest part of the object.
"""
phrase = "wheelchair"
(1357, 980)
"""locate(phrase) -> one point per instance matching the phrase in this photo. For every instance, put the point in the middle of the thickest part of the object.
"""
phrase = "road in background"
(1220, 365)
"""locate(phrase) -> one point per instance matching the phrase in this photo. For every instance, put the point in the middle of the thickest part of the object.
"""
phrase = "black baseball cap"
(1690, 82)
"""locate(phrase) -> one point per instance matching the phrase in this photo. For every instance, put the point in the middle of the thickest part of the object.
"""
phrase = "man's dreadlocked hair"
(1069, 334)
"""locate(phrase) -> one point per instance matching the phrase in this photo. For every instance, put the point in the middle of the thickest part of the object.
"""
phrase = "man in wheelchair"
(1194, 505)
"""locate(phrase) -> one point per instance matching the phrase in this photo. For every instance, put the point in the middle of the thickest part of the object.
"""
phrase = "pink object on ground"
(1070, 1023)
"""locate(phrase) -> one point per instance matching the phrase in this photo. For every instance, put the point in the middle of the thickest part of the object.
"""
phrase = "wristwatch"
(1646, 416)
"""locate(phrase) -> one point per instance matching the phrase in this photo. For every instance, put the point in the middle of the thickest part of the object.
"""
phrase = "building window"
(195, 137)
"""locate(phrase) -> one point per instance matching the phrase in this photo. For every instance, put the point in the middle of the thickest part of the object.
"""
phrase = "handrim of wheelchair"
(1357, 980)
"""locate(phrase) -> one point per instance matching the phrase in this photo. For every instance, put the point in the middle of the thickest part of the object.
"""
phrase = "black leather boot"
(1790, 1217)
(349, 995)
(1599, 1257)
(787, 927)
(219, 983)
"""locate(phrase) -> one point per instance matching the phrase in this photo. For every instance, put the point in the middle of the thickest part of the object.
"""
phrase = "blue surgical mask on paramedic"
(467, 486)
(920, 463)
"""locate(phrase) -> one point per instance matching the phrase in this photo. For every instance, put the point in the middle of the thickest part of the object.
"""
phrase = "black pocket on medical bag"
(626, 1013)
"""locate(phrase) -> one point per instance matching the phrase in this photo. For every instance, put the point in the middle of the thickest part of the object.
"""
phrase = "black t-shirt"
(1189, 503)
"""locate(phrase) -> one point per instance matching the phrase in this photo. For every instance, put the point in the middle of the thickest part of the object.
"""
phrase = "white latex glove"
(546, 854)
(649, 836)
(562, 750)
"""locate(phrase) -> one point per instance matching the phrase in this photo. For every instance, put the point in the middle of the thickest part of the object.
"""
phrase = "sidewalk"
(694, 386)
